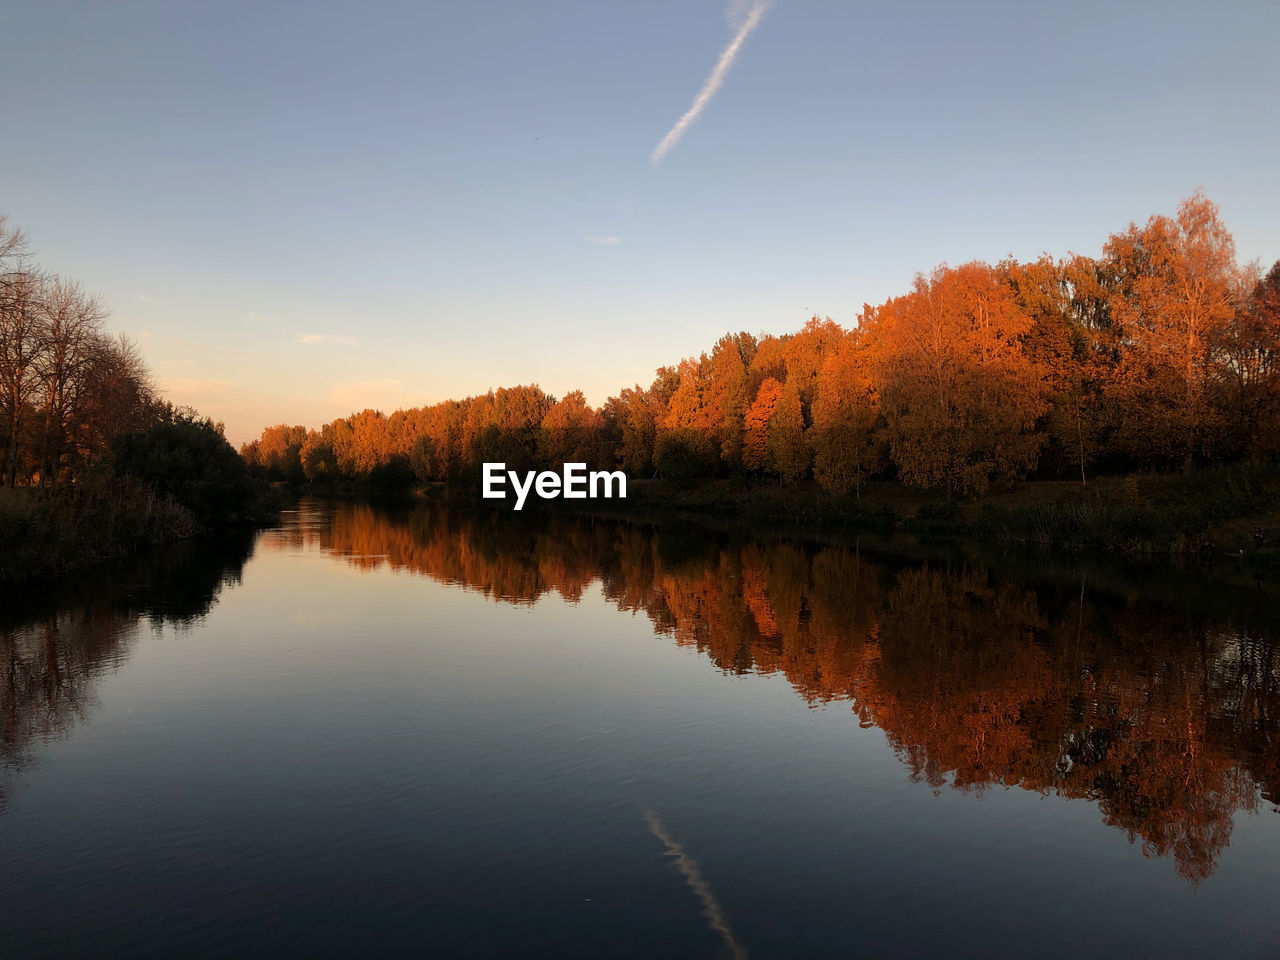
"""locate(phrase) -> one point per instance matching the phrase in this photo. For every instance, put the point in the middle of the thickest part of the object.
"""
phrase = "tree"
(730, 392)
(755, 427)
(66, 388)
(119, 397)
(186, 456)
(1072, 340)
(788, 452)
(1174, 303)
(571, 433)
(20, 290)
(632, 419)
(319, 462)
(71, 339)
(1251, 357)
(846, 411)
(960, 397)
(804, 354)
(279, 452)
(424, 460)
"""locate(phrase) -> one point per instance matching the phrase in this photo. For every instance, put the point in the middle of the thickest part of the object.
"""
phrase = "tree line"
(1163, 352)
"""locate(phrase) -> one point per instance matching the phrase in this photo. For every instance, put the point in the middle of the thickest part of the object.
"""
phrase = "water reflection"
(692, 873)
(1164, 718)
(55, 643)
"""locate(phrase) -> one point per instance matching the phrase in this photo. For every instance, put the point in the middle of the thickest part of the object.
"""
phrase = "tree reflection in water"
(1164, 718)
(56, 643)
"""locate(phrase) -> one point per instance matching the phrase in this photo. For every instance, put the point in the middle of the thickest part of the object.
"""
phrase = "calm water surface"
(434, 733)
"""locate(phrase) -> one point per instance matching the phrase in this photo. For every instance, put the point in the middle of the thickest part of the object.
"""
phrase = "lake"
(436, 732)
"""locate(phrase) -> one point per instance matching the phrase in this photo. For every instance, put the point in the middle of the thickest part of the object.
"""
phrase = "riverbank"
(49, 533)
(177, 478)
(1216, 512)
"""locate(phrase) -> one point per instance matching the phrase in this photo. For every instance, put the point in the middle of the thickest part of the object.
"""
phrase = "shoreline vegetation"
(1210, 513)
(94, 465)
(177, 480)
(1215, 512)
(1127, 403)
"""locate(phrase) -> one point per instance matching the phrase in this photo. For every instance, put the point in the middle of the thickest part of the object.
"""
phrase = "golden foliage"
(1160, 353)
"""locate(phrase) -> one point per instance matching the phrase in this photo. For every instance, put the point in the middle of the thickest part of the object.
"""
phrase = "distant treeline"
(1164, 352)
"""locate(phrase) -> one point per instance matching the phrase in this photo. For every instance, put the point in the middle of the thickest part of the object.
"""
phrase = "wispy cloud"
(603, 241)
(145, 299)
(715, 80)
(325, 338)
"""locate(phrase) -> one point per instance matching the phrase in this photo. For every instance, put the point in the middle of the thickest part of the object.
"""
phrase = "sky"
(300, 210)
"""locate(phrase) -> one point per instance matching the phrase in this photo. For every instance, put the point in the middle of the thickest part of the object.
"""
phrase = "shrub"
(187, 458)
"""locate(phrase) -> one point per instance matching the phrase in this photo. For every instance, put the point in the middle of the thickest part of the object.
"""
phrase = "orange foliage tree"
(1175, 301)
(846, 413)
(755, 430)
(788, 452)
(1160, 352)
(960, 396)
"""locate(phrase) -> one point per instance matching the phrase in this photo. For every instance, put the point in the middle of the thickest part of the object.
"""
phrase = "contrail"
(712, 85)
(688, 866)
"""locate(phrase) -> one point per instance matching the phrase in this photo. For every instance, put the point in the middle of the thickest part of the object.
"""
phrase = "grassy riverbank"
(1217, 511)
(50, 533)
(176, 479)
(1212, 512)
(46, 533)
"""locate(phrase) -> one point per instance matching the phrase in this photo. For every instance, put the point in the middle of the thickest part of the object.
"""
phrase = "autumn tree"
(424, 459)
(755, 428)
(730, 392)
(1072, 340)
(631, 427)
(119, 396)
(1174, 303)
(503, 426)
(633, 418)
(846, 411)
(960, 397)
(770, 360)
(571, 432)
(805, 352)
(788, 451)
(691, 407)
(1251, 360)
(278, 451)
(319, 462)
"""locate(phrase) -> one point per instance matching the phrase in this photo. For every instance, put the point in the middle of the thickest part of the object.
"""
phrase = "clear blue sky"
(300, 210)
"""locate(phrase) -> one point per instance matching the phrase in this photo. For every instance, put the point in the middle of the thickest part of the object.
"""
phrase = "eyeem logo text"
(574, 483)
